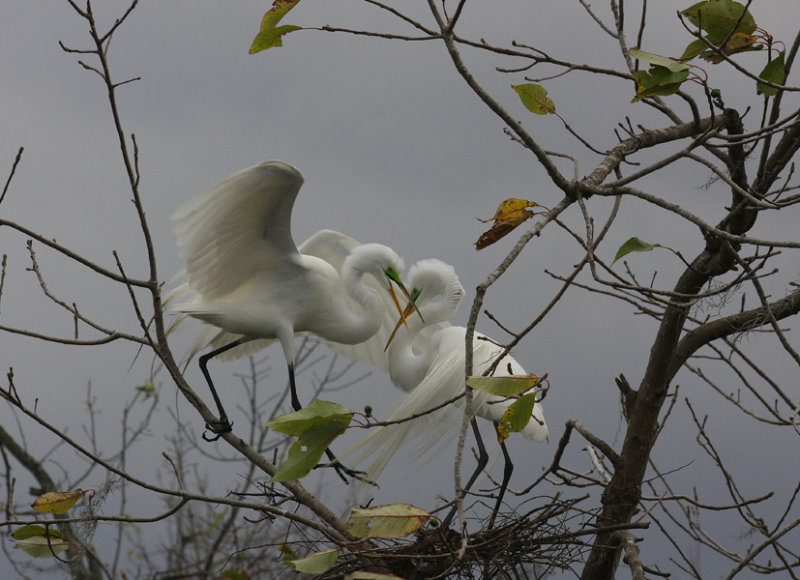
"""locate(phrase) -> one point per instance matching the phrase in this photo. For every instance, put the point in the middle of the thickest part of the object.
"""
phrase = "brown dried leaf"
(511, 213)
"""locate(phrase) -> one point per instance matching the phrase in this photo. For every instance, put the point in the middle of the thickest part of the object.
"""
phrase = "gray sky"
(394, 149)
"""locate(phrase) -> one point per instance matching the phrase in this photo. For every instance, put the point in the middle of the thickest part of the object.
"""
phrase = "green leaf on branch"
(39, 542)
(389, 521)
(535, 98)
(728, 25)
(774, 72)
(316, 563)
(270, 34)
(516, 417)
(664, 77)
(509, 386)
(658, 81)
(317, 413)
(315, 426)
(634, 245)
(657, 60)
(693, 49)
(720, 19)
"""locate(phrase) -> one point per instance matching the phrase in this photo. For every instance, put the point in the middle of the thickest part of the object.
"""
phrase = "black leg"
(221, 425)
(483, 459)
(508, 469)
(293, 389)
(341, 470)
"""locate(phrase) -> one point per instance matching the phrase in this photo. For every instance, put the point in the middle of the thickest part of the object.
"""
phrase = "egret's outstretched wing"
(331, 246)
(334, 247)
(208, 335)
(240, 225)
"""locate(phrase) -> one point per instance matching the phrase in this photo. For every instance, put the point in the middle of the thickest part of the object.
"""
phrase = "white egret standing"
(246, 277)
(430, 363)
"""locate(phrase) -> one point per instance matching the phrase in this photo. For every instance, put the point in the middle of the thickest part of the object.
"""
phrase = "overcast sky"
(394, 148)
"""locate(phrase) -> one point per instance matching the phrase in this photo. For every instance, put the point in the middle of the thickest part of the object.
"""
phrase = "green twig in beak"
(409, 309)
(393, 276)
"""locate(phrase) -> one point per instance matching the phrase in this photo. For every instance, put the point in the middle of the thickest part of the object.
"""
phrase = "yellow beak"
(408, 311)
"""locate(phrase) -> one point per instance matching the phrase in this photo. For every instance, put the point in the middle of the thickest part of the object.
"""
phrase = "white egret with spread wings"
(248, 281)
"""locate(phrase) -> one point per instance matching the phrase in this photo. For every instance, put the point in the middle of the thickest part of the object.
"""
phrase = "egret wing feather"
(444, 380)
(424, 434)
(237, 226)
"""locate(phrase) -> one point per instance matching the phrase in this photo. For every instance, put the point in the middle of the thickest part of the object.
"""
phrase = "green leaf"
(693, 49)
(720, 19)
(148, 388)
(30, 531)
(363, 575)
(317, 413)
(516, 417)
(634, 245)
(315, 426)
(305, 453)
(535, 98)
(389, 521)
(316, 563)
(39, 542)
(287, 552)
(509, 386)
(774, 72)
(270, 33)
(658, 81)
(657, 60)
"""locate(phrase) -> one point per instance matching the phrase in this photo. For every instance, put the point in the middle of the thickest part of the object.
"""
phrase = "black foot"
(217, 427)
(345, 472)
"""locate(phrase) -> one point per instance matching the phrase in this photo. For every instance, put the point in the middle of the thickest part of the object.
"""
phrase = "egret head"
(383, 263)
(431, 278)
(394, 277)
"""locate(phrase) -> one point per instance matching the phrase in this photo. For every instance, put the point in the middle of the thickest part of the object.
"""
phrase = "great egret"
(429, 363)
(246, 277)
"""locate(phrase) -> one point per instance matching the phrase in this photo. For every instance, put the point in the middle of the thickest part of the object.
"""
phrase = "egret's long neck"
(361, 325)
(408, 367)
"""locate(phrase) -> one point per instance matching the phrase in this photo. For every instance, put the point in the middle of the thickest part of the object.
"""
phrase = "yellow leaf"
(270, 34)
(287, 553)
(738, 42)
(511, 209)
(510, 213)
(57, 502)
(316, 563)
(516, 417)
(389, 521)
(509, 386)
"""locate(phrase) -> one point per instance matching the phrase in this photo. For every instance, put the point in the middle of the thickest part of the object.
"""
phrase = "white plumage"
(248, 281)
